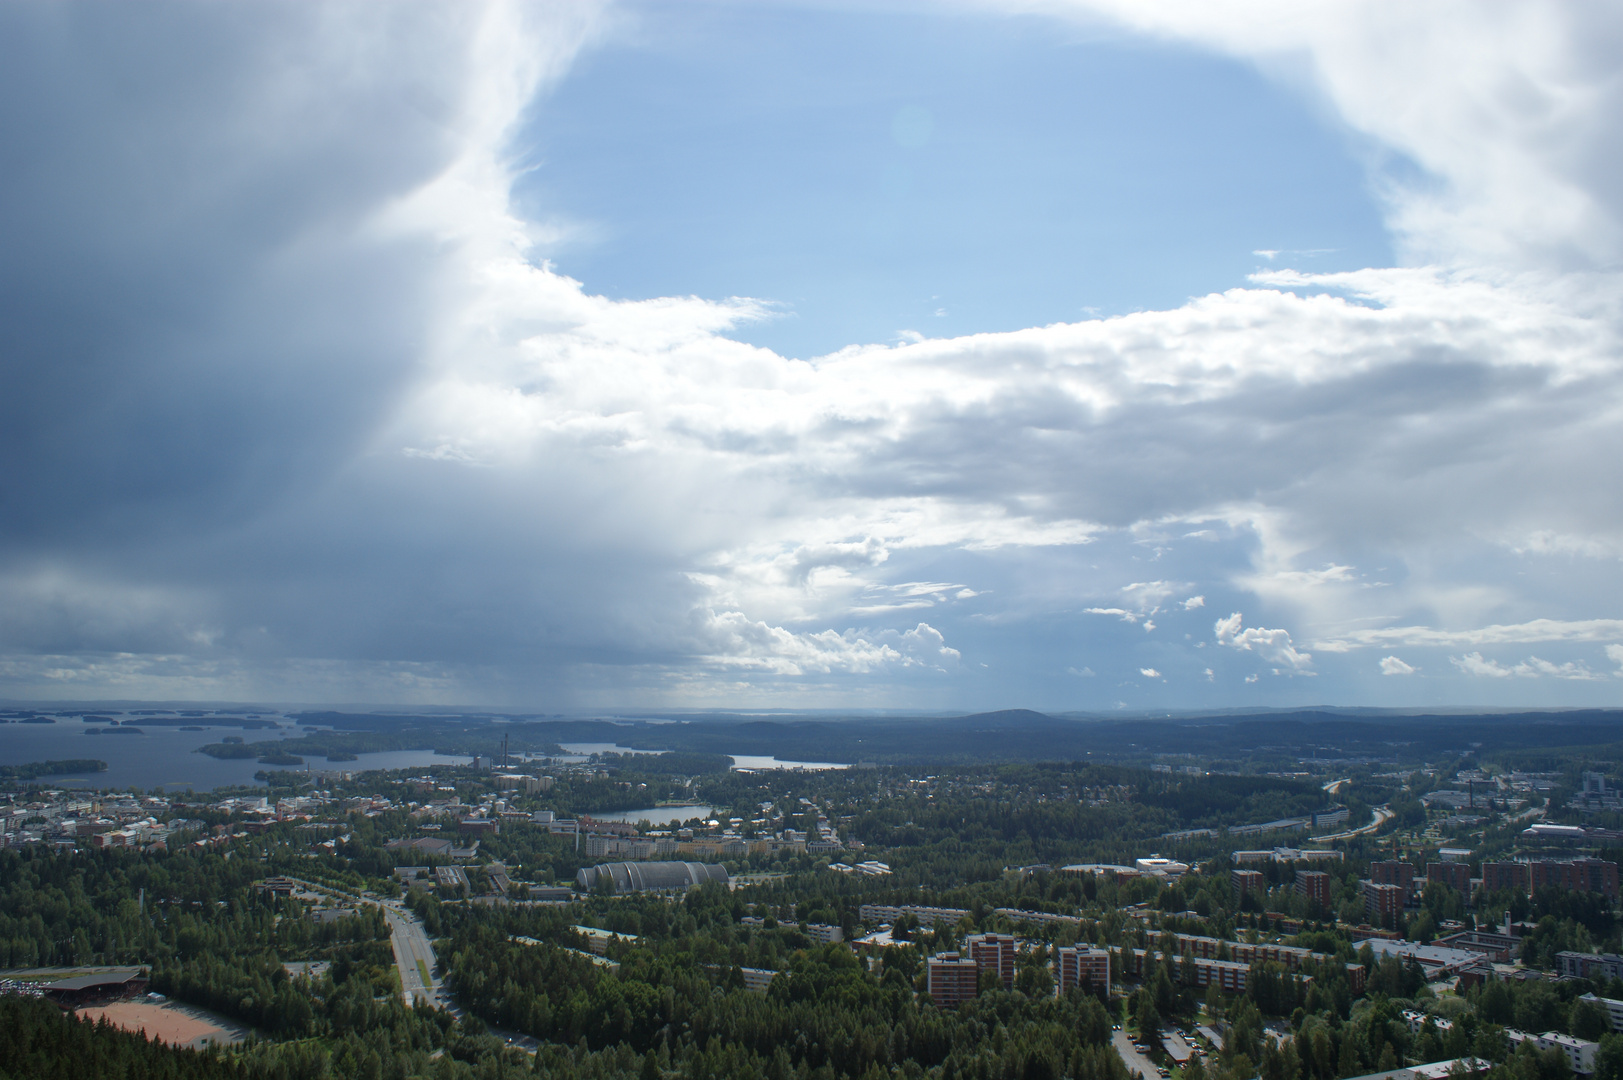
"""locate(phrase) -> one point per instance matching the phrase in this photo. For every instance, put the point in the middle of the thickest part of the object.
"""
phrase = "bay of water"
(740, 761)
(659, 815)
(580, 751)
(165, 756)
(755, 761)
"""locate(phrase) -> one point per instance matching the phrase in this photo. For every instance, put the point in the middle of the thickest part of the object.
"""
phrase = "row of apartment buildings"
(952, 978)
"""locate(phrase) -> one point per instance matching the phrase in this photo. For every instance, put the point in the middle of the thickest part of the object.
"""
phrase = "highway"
(409, 940)
(411, 945)
(1380, 815)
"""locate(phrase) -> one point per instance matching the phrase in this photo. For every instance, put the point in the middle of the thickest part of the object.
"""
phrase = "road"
(411, 945)
(1381, 816)
(1137, 1064)
(409, 940)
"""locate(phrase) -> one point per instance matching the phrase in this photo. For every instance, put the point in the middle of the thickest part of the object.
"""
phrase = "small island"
(36, 769)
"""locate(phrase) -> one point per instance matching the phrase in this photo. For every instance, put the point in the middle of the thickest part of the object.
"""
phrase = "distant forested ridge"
(1013, 735)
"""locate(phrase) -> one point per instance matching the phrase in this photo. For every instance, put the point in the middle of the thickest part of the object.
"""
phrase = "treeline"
(825, 1015)
(37, 1041)
(211, 940)
(33, 770)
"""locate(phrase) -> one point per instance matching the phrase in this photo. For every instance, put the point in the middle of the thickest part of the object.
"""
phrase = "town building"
(1290, 957)
(1383, 903)
(1315, 885)
(1580, 1053)
(1498, 948)
(951, 979)
(994, 953)
(1393, 872)
(876, 914)
(1231, 976)
(1582, 965)
(1456, 875)
(1579, 875)
(1286, 855)
(1155, 864)
(598, 940)
(628, 877)
(825, 934)
(1436, 961)
(1497, 876)
(1248, 883)
(1084, 967)
(1335, 815)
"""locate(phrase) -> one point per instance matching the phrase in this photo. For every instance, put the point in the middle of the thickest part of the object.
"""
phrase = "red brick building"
(1315, 885)
(952, 979)
(994, 953)
(1456, 875)
(1504, 875)
(1582, 875)
(1393, 872)
(1248, 883)
(1085, 967)
(1383, 904)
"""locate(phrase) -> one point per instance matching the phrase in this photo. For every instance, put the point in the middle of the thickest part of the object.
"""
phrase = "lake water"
(740, 761)
(754, 761)
(580, 751)
(164, 756)
(660, 815)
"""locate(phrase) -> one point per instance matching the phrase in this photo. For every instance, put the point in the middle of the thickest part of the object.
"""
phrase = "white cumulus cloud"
(1274, 646)
(1533, 667)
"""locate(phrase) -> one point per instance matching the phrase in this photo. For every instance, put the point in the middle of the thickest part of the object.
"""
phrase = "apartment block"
(1290, 957)
(951, 979)
(1613, 1007)
(1456, 875)
(1315, 885)
(1583, 875)
(1248, 883)
(1580, 1053)
(1504, 875)
(994, 953)
(1229, 975)
(825, 933)
(1393, 872)
(875, 914)
(1085, 967)
(1383, 904)
(1582, 965)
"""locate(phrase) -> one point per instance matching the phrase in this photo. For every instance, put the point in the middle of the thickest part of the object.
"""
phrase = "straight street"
(413, 955)
(409, 941)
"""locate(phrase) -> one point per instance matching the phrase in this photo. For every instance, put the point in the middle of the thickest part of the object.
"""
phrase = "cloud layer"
(298, 409)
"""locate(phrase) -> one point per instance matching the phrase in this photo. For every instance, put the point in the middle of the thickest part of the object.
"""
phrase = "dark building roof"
(99, 979)
(638, 876)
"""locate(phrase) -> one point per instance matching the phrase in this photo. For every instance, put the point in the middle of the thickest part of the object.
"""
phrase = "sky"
(1079, 355)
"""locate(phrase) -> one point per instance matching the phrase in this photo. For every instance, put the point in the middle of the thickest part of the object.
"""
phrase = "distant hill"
(1011, 735)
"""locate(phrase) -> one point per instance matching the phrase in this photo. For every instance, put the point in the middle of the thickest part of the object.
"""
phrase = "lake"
(163, 756)
(757, 763)
(754, 762)
(659, 815)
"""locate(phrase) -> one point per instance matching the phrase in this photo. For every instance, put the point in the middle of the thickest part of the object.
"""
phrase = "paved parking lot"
(1137, 1064)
